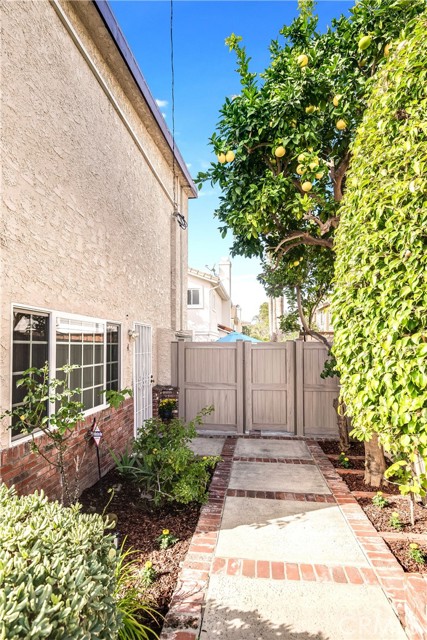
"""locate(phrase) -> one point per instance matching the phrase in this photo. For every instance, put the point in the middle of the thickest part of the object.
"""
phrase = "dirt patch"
(141, 525)
(355, 482)
(332, 447)
(400, 549)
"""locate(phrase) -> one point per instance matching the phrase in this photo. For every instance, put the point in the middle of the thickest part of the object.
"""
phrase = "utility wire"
(179, 217)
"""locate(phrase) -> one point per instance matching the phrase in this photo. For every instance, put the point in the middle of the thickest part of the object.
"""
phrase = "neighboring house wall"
(209, 303)
(87, 189)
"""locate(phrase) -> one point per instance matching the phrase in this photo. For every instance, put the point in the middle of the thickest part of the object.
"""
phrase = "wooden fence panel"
(267, 386)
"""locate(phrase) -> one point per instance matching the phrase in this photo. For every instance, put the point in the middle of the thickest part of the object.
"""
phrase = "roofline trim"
(119, 39)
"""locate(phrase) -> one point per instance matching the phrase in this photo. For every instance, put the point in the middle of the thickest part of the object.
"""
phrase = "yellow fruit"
(296, 263)
(310, 109)
(341, 125)
(306, 186)
(314, 164)
(364, 42)
(319, 175)
(302, 60)
(300, 170)
(229, 156)
(387, 50)
(336, 100)
(301, 157)
(310, 149)
(293, 123)
(221, 158)
(280, 152)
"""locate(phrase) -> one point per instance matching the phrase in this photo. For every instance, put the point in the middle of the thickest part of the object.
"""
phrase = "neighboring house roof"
(213, 280)
(116, 33)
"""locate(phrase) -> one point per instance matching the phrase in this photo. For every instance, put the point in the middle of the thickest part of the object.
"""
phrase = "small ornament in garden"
(415, 553)
(379, 501)
(148, 574)
(166, 539)
(166, 408)
(343, 460)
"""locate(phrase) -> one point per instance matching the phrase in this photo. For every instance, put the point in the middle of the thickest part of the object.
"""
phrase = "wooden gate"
(262, 386)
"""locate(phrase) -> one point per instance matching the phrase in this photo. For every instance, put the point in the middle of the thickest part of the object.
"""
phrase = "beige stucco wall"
(86, 223)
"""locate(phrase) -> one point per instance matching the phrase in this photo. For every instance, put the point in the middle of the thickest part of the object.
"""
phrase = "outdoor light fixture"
(132, 335)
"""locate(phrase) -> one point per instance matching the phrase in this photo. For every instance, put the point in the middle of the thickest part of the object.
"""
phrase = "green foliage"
(415, 553)
(379, 501)
(280, 205)
(395, 521)
(260, 327)
(133, 610)
(343, 460)
(380, 302)
(163, 464)
(166, 539)
(58, 425)
(57, 571)
(148, 574)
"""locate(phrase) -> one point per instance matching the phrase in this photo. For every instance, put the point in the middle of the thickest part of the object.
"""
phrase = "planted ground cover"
(140, 526)
(388, 511)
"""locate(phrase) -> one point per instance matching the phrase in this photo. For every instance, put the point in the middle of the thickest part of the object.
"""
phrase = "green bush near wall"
(380, 300)
(56, 571)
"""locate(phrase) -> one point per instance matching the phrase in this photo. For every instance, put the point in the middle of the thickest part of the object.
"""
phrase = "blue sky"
(204, 76)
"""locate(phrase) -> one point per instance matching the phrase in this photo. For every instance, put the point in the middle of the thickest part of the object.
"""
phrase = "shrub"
(164, 465)
(57, 571)
(380, 299)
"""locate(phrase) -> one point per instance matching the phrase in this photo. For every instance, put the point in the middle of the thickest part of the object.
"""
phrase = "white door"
(142, 375)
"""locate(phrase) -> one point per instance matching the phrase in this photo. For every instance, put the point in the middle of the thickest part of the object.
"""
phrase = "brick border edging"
(184, 618)
(406, 592)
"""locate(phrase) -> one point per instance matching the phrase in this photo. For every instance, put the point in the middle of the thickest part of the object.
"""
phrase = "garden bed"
(397, 538)
(141, 525)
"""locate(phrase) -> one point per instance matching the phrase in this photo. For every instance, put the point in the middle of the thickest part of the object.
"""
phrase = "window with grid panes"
(113, 355)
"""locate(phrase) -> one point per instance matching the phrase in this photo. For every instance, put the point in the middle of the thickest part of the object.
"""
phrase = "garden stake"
(97, 435)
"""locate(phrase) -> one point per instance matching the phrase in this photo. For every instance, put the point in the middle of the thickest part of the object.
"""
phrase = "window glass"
(193, 297)
(30, 348)
(113, 350)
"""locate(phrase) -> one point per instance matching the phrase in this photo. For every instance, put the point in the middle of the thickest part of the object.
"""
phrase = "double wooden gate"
(260, 386)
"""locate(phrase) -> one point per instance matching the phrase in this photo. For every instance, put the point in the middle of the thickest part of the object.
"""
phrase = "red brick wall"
(29, 471)
(416, 606)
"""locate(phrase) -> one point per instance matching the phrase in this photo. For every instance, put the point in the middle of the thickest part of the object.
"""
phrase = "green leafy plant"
(58, 571)
(379, 501)
(133, 610)
(147, 574)
(415, 553)
(166, 539)
(58, 425)
(395, 521)
(379, 303)
(163, 464)
(343, 460)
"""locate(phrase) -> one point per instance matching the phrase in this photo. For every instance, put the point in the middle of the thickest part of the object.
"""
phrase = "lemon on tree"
(337, 99)
(364, 43)
(229, 156)
(301, 157)
(302, 60)
(301, 170)
(319, 175)
(387, 50)
(306, 186)
(279, 152)
(341, 124)
(221, 158)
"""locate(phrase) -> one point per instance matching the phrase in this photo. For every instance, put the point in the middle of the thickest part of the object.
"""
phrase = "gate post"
(291, 385)
(240, 385)
(299, 386)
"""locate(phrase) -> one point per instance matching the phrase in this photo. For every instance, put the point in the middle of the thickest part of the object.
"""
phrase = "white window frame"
(196, 306)
(53, 316)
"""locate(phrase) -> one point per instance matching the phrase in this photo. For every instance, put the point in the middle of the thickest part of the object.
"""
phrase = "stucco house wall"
(87, 183)
(214, 306)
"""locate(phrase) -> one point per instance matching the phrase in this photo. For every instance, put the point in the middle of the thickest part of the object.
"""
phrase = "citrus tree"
(282, 145)
(380, 299)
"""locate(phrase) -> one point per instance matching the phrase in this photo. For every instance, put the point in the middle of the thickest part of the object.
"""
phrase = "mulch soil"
(380, 517)
(140, 524)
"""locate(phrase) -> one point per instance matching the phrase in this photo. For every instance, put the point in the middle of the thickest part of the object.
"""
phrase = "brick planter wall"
(29, 471)
(406, 591)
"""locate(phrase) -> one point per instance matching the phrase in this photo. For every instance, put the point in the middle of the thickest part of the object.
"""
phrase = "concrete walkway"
(274, 557)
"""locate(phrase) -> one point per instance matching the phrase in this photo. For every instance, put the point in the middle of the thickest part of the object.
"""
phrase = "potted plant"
(166, 408)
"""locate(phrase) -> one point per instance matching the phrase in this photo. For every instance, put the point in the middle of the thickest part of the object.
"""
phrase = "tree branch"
(338, 176)
(311, 332)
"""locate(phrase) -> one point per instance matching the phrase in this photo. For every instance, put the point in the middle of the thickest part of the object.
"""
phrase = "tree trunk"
(342, 422)
(375, 465)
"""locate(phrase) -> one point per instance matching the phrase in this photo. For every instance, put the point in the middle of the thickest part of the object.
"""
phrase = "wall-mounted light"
(132, 335)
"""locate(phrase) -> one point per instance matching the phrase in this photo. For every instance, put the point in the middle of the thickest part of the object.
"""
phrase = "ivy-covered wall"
(380, 301)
